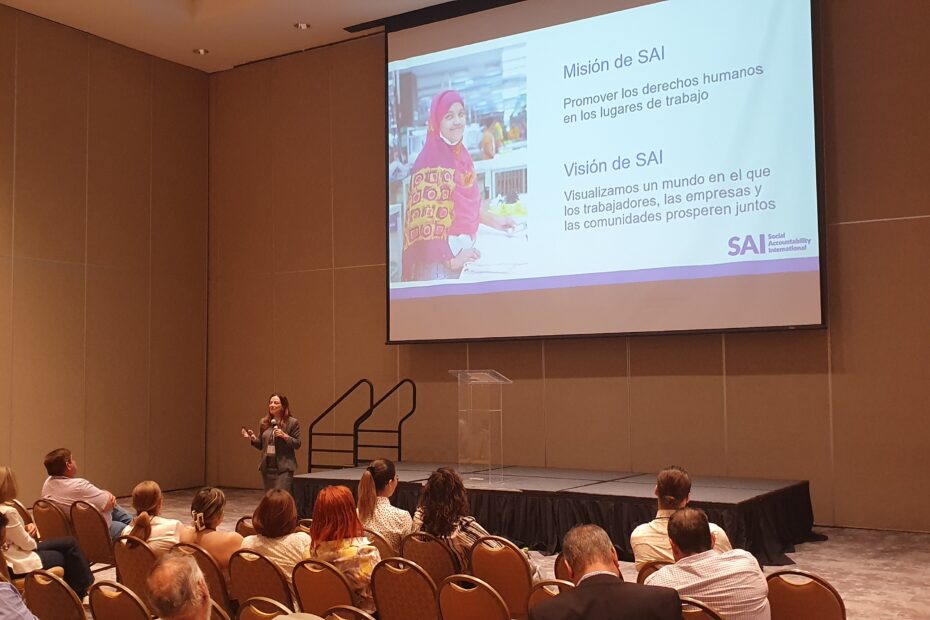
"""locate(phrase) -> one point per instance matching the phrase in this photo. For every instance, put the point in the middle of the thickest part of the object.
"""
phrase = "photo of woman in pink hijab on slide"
(445, 203)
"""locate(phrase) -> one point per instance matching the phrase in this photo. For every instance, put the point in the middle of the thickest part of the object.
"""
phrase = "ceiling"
(234, 31)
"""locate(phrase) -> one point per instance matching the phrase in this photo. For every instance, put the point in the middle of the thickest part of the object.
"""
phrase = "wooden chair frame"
(35, 575)
(85, 540)
(452, 583)
(425, 538)
(395, 564)
(319, 565)
(357, 614)
(707, 610)
(243, 553)
(649, 568)
(536, 595)
(513, 549)
(41, 506)
(216, 580)
(255, 601)
(813, 577)
(122, 589)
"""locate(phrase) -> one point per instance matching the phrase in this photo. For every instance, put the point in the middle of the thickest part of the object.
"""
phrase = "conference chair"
(403, 591)
(320, 585)
(134, 561)
(304, 525)
(506, 568)
(346, 612)
(114, 601)
(385, 549)
(801, 595)
(217, 612)
(93, 534)
(21, 509)
(50, 520)
(561, 570)
(462, 597)
(252, 575)
(693, 609)
(50, 598)
(20, 582)
(244, 527)
(212, 573)
(262, 608)
(649, 568)
(431, 554)
(544, 590)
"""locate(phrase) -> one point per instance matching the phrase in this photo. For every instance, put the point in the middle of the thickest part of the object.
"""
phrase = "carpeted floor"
(879, 574)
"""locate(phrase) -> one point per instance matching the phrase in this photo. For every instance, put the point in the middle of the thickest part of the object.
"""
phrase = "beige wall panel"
(240, 375)
(676, 403)
(48, 367)
(303, 347)
(778, 410)
(6, 342)
(359, 202)
(360, 321)
(119, 156)
(179, 274)
(881, 369)
(877, 132)
(587, 404)
(431, 434)
(51, 140)
(177, 380)
(302, 172)
(241, 236)
(116, 366)
(7, 99)
(524, 402)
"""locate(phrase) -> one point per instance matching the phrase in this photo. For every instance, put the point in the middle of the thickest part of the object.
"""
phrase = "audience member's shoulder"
(740, 555)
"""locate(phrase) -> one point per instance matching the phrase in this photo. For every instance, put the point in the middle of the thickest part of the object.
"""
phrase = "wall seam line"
(629, 404)
(726, 412)
(86, 218)
(832, 444)
(883, 219)
(151, 210)
(13, 220)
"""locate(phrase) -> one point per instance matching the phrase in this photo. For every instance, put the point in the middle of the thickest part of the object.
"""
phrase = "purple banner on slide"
(692, 272)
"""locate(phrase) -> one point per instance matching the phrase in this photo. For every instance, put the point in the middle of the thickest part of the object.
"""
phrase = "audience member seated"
(12, 606)
(207, 512)
(600, 593)
(338, 538)
(443, 512)
(177, 589)
(160, 533)
(729, 581)
(650, 540)
(63, 488)
(278, 539)
(25, 554)
(375, 489)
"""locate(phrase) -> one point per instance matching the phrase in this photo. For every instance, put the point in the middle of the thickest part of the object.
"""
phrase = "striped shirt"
(731, 582)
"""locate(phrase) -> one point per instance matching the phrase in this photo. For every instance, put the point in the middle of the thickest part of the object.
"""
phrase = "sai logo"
(746, 245)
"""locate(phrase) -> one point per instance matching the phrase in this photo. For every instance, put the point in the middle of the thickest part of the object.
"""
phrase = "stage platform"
(535, 506)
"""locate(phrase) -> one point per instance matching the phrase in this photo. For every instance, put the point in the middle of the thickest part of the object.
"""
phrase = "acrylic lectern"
(481, 425)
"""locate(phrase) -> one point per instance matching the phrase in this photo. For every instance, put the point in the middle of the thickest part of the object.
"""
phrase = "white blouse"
(286, 552)
(166, 533)
(392, 523)
(19, 546)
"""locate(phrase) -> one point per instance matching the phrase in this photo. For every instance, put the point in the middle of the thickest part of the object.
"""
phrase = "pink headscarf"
(444, 198)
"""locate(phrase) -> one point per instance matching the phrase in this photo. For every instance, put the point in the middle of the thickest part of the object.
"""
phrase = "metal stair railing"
(354, 434)
(397, 432)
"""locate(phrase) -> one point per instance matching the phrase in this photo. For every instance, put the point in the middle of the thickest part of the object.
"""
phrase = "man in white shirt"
(731, 581)
(63, 488)
(650, 540)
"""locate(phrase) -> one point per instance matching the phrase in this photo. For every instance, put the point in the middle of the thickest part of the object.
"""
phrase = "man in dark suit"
(600, 593)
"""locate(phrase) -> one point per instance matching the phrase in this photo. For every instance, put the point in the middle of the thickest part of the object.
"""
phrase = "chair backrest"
(431, 554)
(799, 594)
(403, 591)
(92, 533)
(114, 601)
(320, 585)
(693, 609)
(50, 519)
(544, 590)
(134, 561)
(649, 568)
(561, 570)
(21, 509)
(50, 598)
(304, 525)
(244, 527)
(262, 608)
(462, 597)
(212, 573)
(217, 612)
(385, 549)
(346, 612)
(506, 568)
(252, 575)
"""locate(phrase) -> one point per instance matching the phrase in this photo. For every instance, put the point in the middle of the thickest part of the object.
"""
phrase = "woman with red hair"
(338, 538)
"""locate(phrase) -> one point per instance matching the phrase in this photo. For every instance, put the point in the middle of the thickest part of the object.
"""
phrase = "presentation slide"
(652, 169)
